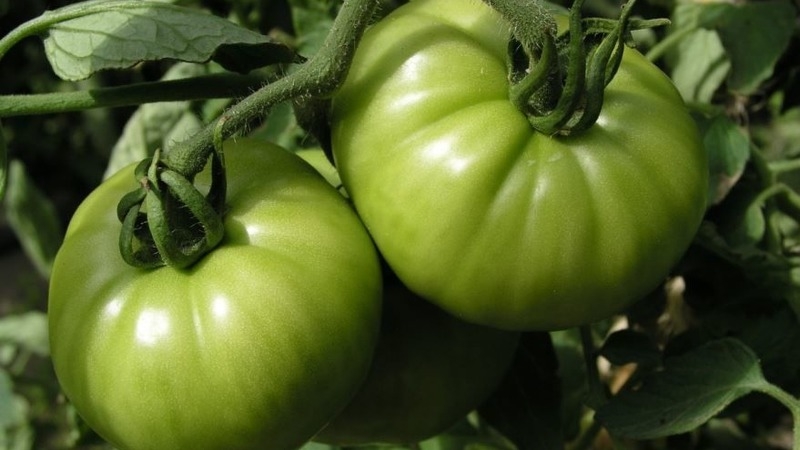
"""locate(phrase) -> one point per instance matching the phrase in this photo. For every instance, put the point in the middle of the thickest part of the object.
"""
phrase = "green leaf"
(522, 407)
(8, 408)
(728, 152)
(33, 218)
(27, 331)
(768, 27)
(312, 19)
(691, 389)
(3, 163)
(281, 127)
(118, 34)
(699, 63)
(573, 378)
(629, 346)
(701, 66)
(156, 125)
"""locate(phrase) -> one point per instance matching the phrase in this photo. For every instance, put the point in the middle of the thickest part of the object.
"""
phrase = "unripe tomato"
(486, 217)
(258, 345)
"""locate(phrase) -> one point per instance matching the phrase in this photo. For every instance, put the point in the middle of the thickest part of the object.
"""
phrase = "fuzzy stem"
(318, 77)
(197, 88)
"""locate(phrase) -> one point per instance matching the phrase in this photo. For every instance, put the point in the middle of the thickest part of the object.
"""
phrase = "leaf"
(33, 218)
(28, 331)
(573, 379)
(8, 409)
(119, 34)
(701, 66)
(522, 408)
(156, 125)
(699, 63)
(728, 152)
(3, 163)
(629, 346)
(768, 26)
(312, 19)
(691, 389)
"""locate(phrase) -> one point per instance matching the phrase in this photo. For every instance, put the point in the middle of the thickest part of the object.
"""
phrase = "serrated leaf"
(33, 218)
(691, 389)
(629, 346)
(118, 34)
(769, 26)
(28, 331)
(156, 125)
(522, 407)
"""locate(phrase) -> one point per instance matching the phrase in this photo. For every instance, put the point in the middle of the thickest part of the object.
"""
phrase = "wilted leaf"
(33, 218)
(119, 34)
(691, 389)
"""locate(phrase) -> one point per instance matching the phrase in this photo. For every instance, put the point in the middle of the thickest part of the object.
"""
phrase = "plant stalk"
(196, 88)
(319, 77)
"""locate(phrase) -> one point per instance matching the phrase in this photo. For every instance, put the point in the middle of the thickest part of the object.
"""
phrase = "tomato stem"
(319, 77)
(567, 103)
(195, 88)
(167, 220)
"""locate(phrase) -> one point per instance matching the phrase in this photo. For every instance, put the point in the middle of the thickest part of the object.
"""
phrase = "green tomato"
(491, 220)
(255, 346)
(429, 371)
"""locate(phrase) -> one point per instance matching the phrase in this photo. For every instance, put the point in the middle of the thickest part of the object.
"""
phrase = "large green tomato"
(256, 346)
(429, 371)
(493, 221)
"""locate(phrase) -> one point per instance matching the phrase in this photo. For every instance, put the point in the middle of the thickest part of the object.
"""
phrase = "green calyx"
(559, 81)
(166, 220)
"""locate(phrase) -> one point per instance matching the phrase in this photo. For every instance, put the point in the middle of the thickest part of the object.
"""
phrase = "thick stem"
(198, 88)
(575, 82)
(318, 77)
(538, 85)
(184, 224)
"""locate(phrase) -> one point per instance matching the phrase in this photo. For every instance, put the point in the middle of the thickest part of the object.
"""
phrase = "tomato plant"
(258, 344)
(493, 221)
(434, 132)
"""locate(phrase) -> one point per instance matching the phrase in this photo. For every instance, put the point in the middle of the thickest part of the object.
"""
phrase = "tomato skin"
(255, 346)
(491, 220)
(429, 371)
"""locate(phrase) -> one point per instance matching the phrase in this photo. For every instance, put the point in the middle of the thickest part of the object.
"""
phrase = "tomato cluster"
(292, 330)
